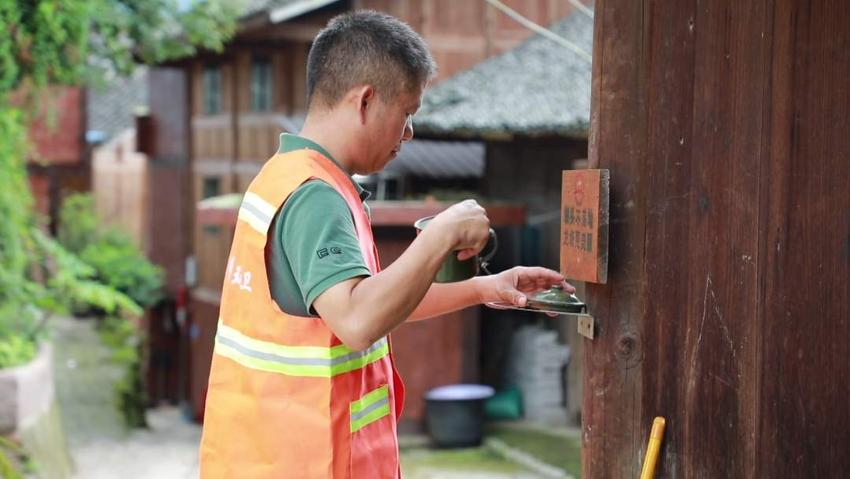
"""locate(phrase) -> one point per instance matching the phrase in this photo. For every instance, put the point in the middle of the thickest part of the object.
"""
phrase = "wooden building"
(59, 162)
(727, 308)
(244, 98)
(118, 170)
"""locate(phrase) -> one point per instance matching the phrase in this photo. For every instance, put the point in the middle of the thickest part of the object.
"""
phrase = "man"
(302, 382)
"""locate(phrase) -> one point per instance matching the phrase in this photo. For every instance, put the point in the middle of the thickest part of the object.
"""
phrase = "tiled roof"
(423, 158)
(111, 107)
(439, 159)
(539, 88)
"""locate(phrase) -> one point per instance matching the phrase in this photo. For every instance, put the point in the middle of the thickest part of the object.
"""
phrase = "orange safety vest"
(286, 398)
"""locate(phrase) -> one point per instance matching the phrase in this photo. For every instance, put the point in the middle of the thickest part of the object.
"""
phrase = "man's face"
(389, 125)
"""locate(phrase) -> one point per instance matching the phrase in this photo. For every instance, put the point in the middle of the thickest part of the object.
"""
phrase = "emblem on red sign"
(578, 195)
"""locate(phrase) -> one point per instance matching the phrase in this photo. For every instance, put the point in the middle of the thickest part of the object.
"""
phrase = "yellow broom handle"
(655, 438)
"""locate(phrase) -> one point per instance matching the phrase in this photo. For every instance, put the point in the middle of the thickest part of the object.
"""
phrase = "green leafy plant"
(75, 42)
(70, 284)
(77, 222)
(14, 348)
(75, 285)
(123, 338)
(17, 292)
(113, 257)
(13, 459)
(71, 41)
(120, 264)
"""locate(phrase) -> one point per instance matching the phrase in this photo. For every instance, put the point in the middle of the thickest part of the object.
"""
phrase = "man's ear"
(365, 96)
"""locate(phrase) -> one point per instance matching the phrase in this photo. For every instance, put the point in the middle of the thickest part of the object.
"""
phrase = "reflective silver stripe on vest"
(373, 406)
(357, 416)
(257, 212)
(313, 361)
(296, 361)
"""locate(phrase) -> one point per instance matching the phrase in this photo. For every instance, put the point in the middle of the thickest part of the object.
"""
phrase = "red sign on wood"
(584, 225)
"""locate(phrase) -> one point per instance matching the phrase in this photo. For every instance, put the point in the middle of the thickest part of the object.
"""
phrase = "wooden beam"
(405, 213)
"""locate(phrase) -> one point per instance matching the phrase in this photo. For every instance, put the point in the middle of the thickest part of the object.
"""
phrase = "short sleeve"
(318, 240)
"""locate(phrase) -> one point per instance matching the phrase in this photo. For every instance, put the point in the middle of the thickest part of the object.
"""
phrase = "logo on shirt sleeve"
(324, 252)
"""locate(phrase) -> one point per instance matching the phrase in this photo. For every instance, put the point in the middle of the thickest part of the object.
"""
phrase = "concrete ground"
(168, 450)
(102, 448)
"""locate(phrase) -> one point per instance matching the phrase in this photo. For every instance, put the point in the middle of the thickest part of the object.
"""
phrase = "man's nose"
(408, 130)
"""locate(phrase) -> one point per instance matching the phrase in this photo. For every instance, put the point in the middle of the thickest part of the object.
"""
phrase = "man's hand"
(508, 287)
(514, 285)
(467, 225)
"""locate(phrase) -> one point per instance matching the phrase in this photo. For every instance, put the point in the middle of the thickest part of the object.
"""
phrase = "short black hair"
(366, 47)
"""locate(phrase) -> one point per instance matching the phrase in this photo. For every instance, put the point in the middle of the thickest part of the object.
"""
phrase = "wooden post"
(727, 308)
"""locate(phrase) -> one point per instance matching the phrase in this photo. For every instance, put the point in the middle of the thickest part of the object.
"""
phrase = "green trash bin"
(505, 405)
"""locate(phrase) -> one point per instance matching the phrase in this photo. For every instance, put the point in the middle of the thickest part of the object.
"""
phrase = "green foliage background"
(113, 258)
(74, 42)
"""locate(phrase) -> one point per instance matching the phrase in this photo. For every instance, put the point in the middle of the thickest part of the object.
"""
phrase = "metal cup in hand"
(453, 269)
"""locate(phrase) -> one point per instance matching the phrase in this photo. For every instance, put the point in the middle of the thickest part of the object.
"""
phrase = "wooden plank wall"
(119, 186)
(170, 209)
(805, 213)
(727, 310)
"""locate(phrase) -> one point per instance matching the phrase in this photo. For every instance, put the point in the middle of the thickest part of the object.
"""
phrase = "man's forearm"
(382, 302)
(362, 310)
(444, 298)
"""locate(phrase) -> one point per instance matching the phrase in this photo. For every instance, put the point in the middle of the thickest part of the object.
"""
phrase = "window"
(261, 84)
(212, 90)
(212, 186)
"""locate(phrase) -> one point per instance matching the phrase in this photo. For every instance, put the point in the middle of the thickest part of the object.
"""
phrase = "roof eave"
(288, 12)
(500, 134)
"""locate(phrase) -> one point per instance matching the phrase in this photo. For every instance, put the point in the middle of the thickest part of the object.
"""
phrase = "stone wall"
(26, 392)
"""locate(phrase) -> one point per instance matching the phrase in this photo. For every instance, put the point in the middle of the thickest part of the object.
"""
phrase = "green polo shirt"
(313, 243)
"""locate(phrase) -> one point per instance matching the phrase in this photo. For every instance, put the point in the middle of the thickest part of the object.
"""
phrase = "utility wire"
(582, 8)
(538, 29)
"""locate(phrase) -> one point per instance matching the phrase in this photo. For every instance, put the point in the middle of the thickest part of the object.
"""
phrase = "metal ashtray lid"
(556, 299)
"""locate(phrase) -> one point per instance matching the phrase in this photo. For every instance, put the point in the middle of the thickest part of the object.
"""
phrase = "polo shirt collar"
(290, 142)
